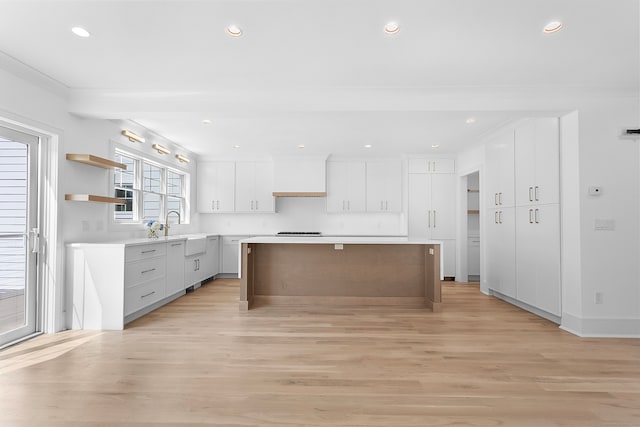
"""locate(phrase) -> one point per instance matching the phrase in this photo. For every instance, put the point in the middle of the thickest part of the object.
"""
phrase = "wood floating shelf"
(473, 211)
(93, 198)
(299, 194)
(89, 159)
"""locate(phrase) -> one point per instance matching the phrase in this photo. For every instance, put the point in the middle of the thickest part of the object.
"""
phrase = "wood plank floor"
(201, 362)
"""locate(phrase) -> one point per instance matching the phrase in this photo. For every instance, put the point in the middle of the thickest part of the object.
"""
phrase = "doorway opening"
(473, 227)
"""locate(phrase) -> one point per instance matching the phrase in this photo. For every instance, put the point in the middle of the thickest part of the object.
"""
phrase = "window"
(150, 190)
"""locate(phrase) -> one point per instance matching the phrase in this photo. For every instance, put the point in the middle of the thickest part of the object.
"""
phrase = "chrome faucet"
(166, 221)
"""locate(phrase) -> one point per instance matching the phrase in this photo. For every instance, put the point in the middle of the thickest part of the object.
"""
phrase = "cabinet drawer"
(143, 271)
(134, 253)
(140, 296)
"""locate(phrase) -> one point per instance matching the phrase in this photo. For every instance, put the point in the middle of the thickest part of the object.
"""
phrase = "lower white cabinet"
(193, 269)
(175, 267)
(211, 262)
(230, 254)
(501, 251)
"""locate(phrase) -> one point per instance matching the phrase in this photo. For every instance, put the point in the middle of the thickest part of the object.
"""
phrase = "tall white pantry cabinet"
(523, 221)
(432, 185)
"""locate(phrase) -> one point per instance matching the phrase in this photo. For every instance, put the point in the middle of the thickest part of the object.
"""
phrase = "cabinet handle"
(536, 193)
(495, 217)
(343, 205)
(176, 244)
(252, 205)
(500, 198)
(434, 218)
(213, 205)
(147, 271)
(148, 252)
(537, 216)
(218, 204)
(530, 218)
(500, 217)
(348, 205)
(257, 205)
(495, 198)
(531, 194)
(148, 295)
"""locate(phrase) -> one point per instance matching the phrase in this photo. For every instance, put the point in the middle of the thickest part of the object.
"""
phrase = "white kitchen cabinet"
(384, 185)
(499, 183)
(175, 267)
(432, 212)
(211, 263)
(432, 166)
(538, 256)
(346, 186)
(216, 187)
(537, 160)
(193, 270)
(501, 250)
(254, 187)
(230, 254)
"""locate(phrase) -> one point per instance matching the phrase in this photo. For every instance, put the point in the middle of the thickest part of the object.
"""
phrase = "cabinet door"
(264, 187)
(245, 186)
(547, 161)
(501, 248)
(500, 170)
(175, 267)
(449, 258)
(384, 186)
(192, 272)
(526, 257)
(443, 166)
(547, 253)
(206, 182)
(337, 186)
(443, 206)
(225, 187)
(525, 159)
(211, 261)
(230, 253)
(419, 206)
(216, 182)
(356, 186)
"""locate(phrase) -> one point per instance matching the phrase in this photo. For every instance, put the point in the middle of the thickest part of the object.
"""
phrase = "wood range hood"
(300, 176)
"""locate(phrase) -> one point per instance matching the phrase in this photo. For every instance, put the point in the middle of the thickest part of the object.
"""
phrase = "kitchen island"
(340, 271)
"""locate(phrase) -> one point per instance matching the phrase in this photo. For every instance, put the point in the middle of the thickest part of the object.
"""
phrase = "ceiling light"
(435, 145)
(368, 146)
(206, 122)
(301, 146)
(80, 32)
(552, 27)
(132, 136)
(471, 120)
(391, 28)
(160, 149)
(182, 158)
(234, 31)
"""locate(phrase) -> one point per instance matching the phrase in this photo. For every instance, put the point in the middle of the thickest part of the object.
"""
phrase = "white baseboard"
(600, 328)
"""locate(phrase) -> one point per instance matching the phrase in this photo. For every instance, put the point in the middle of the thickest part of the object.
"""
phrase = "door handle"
(537, 216)
(35, 240)
(536, 193)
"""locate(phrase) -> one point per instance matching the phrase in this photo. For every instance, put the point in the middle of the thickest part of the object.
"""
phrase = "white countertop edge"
(345, 240)
(142, 240)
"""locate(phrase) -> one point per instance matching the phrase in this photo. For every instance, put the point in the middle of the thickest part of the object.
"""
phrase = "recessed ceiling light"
(80, 32)
(236, 146)
(552, 27)
(368, 146)
(206, 122)
(471, 120)
(234, 30)
(391, 28)
(301, 146)
(435, 145)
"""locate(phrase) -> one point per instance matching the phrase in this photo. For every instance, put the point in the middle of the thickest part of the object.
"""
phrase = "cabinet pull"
(495, 217)
(252, 205)
(386, 205)
(218, 204)
(381, 205)
(434, 218)
(434, 169)
(500, 198)
(495, 198)
(536, 193)
(148, 252)
(213, 205)
(147, 271)
(531, 194)
(500, 217)
(530, 217)
(148, 295)
(537, 216)
(176, 244)
(256, 205)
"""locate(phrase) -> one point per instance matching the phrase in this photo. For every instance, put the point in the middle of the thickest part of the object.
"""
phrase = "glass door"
(18, 235)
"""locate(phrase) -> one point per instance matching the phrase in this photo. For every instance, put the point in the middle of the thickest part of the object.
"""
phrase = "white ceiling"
(322, 72)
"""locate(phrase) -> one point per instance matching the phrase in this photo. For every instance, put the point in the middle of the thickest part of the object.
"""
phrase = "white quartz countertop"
(346, 240)
(145, 241)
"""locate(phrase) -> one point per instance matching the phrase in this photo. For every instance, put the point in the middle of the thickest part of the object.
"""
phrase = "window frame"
(139, 159)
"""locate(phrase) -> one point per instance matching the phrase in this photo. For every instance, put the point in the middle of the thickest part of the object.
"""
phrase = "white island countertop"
(346, 240)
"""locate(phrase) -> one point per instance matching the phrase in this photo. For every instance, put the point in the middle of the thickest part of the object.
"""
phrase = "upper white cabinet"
(432, 166)
(384, 185)
(346, 186)
(254, 187)
(537, 160)
(500, 170)
(216, 187)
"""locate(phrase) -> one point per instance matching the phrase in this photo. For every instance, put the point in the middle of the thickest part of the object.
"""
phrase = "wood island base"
(341, 274)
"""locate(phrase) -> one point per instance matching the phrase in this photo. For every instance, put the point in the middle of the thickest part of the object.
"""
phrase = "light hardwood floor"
(201, 362)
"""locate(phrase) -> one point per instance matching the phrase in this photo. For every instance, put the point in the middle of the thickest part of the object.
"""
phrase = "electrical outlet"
(599, 298)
